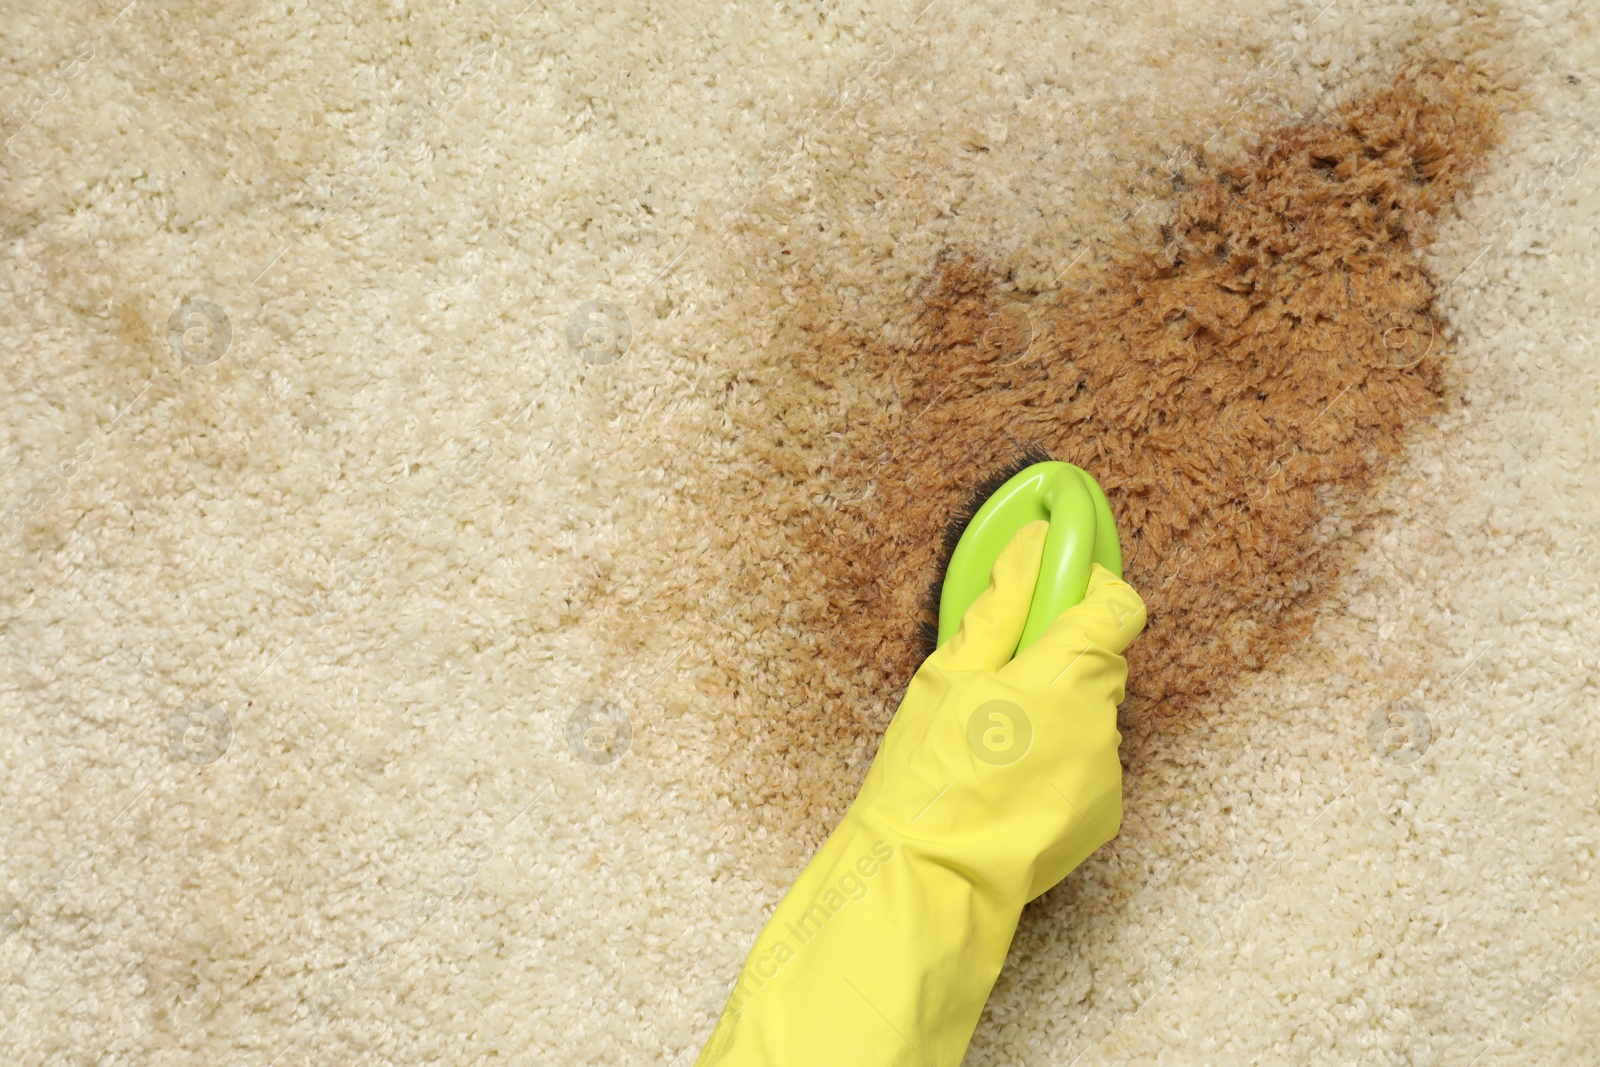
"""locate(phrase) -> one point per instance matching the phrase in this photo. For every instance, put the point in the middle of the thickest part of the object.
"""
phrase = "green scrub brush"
(1082, 532)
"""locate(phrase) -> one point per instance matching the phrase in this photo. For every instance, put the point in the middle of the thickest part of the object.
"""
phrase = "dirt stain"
(1236, 383)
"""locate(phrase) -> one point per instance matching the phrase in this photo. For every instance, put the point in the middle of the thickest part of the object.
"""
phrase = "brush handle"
(1082, 532)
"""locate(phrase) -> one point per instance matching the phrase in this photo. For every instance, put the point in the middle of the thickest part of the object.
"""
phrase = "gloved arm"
(996, 777)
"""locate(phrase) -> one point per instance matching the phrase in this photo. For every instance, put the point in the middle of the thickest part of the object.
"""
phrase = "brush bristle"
(928, 628)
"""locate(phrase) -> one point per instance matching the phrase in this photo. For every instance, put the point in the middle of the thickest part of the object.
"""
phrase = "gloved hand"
(996, 778)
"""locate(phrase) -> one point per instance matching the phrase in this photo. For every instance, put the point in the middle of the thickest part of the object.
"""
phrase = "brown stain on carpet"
(1236, 385)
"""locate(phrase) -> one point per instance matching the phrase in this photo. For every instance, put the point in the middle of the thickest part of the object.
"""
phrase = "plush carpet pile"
(470, 478)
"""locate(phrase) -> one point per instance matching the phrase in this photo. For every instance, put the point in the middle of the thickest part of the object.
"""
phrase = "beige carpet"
(451, 561)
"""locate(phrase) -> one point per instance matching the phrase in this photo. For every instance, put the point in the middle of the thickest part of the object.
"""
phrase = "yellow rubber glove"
(996, 778)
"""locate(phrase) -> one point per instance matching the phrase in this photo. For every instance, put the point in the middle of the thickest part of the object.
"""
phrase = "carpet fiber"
(471, 475)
